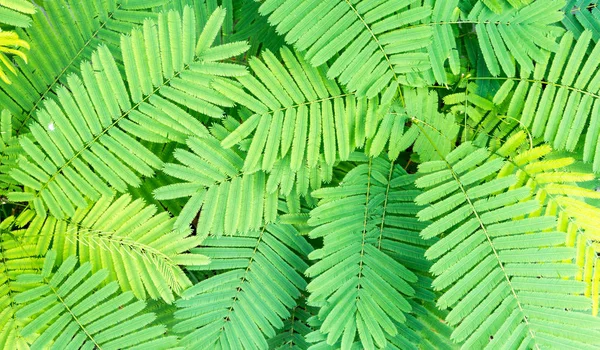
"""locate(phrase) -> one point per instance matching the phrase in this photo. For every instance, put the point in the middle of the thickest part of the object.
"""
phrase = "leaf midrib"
(483, 227)
(104, 131)
(64, 71)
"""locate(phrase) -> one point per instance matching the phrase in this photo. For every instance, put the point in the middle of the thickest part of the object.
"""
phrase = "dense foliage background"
(323, 174)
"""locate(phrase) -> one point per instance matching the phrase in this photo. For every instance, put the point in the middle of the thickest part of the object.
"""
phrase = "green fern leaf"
(430, 133)
(69, 308)
(561, 98)
(17, 256)
(363, 33)
(358, 286)
(61, 40)
(230, 200)
(245, 304)
(497, 33)
(480, 117)
(93, 124)
(15, 13)
(10, 151)
(249, 25)
(126, 238)
(376, 48)
(500, 259)
(581, 15)
(297, 112)
(295, 328)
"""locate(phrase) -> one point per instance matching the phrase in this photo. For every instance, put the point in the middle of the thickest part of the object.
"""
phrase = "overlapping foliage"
(317, 174)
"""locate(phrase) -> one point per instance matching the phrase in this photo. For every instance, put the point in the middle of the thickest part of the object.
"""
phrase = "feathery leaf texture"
(582, 15)
(17, 256)
(376, 46)
(316, 174)
(298, 112)
(136, 246)
(15, 13)
(357, 285)
(10, 151)
(61, 39)
(430, 133)
(498, 6)
(92, 125)
(505, 39)
(295, 329)
(10, 43)
(73, 310)
(243, 305)
(229, 200)
(561, 98)
(501, 259)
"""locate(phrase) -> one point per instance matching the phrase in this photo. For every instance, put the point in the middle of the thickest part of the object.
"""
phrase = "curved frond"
(229, 201)
(409, 42)
(94, 122)
(136, 246)
(245, 304)
(504, 39)
(502, 261)
(60, 41)
(363, 33)
(70, 309)
(561, 98)
(361, 289)
(298, 113)
(550, 175)
(10, 46)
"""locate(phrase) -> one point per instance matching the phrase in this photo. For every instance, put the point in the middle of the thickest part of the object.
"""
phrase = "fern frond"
(497, 32)
(561, 98)
(61, 39)
(10, 151)
(136, 246)
(17, 256)
(92, 126)
(424, 329)
(359, 287)
(297, 112)
(250, 26)
(70, 309)
(10, 44)
(295, 328)
(230, 200)
(580, 220)
(501, 258)
(408, 43)
(363, 33)
(556, 186)
(430, 133)
(243, 305)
